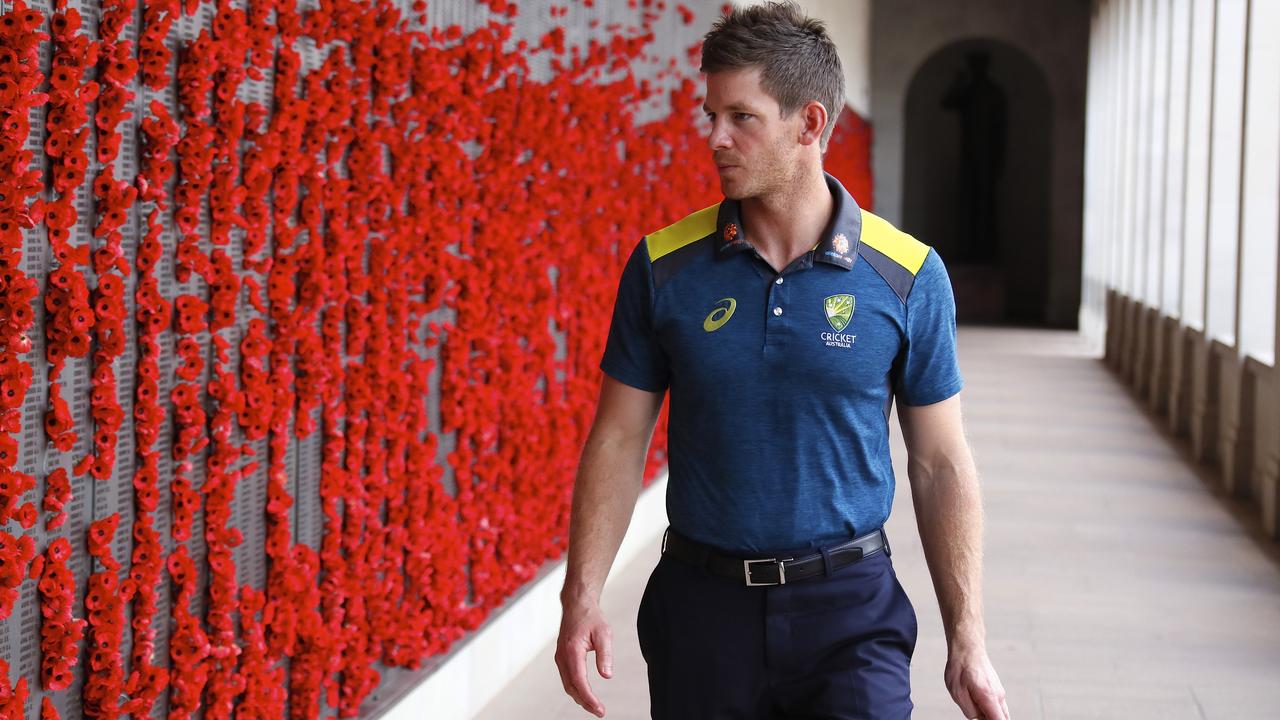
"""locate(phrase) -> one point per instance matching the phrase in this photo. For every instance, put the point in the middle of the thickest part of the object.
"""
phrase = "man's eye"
(742, 115)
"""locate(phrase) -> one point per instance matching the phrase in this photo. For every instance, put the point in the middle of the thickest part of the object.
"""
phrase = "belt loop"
(826, 559)
(884, 537)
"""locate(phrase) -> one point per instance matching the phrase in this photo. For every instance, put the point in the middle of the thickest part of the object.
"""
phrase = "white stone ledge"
(479, 666)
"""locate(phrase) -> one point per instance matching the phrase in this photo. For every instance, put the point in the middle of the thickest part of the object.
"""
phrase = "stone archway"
(976, 176)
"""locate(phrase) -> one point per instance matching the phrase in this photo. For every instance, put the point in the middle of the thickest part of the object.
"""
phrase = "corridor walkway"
(1118, 584)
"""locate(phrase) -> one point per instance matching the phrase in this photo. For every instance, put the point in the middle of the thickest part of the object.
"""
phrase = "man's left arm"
(948, 505)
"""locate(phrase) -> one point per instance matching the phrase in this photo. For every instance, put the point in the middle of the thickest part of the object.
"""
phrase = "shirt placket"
(778, 310)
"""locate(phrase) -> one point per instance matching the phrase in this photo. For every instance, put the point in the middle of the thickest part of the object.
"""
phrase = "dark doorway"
(976, 177)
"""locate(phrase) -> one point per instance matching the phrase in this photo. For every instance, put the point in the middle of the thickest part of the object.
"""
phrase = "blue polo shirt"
(781, 382)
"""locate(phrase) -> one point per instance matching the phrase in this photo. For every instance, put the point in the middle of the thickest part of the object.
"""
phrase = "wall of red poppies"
(301, 308)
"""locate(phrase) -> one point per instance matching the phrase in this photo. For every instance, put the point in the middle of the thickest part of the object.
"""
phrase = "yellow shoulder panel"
(675, 236)
(895, 244)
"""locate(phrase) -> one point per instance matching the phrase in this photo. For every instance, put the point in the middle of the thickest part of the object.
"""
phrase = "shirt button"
(777, 311)
(778, 281)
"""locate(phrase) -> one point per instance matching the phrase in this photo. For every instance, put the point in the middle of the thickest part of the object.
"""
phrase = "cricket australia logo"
(839, 311)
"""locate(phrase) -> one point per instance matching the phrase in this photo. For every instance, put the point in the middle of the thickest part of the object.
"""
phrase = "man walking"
(785, 321)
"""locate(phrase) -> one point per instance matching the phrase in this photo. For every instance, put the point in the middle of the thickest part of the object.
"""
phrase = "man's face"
(755, 151)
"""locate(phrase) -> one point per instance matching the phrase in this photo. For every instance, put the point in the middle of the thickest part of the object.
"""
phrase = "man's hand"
(974, 685)
(610, 475)
(583, 628)
(948, 504)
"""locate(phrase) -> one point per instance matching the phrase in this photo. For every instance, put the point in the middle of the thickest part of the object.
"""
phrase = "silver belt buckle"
(782, 571)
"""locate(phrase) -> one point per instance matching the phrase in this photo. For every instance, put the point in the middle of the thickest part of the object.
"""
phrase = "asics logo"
(718, 317)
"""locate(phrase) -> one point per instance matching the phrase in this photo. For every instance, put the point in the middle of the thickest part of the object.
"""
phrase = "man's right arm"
(610, 476)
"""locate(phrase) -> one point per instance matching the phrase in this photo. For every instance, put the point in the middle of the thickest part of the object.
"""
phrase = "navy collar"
(838, 245)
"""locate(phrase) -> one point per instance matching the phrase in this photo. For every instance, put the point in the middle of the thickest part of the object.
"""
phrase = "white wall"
(1224, 169)
(1091, 262)
(1156, 142)
(1144, 31)
(1183, 165)
(849, 24)
(1196, 219)
(1175, 152)
(1260, 218)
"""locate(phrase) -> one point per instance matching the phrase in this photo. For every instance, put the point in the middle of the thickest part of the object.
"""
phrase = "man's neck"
(785, 225)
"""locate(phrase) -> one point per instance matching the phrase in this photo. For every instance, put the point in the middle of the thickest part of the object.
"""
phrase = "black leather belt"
(770, 571)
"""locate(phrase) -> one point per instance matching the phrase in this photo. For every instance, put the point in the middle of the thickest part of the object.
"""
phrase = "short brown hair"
(796, 57)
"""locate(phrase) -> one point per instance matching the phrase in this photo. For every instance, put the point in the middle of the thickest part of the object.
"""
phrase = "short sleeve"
(927, 368)
(632, 354)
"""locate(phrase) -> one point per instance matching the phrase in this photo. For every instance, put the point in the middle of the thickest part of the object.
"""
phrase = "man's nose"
(719, 138)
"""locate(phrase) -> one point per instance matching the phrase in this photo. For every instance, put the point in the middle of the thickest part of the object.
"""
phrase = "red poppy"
(343, 266)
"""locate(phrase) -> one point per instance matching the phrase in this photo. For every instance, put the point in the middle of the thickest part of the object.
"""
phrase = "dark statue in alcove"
(982, 109)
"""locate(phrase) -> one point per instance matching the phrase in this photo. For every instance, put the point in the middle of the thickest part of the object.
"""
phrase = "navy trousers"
(834, 647)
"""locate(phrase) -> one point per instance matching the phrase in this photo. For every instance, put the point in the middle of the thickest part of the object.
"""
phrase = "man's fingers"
(961, 696)
(602, 641)
(990, 704)
(578, 677)
(1004, 706)
(583, 630)
(562, 664)
(579, 689)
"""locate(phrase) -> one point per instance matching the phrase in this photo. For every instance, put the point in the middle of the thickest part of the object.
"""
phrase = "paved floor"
(1118, 583)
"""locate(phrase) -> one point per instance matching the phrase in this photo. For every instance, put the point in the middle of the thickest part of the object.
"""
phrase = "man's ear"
(813, 118)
